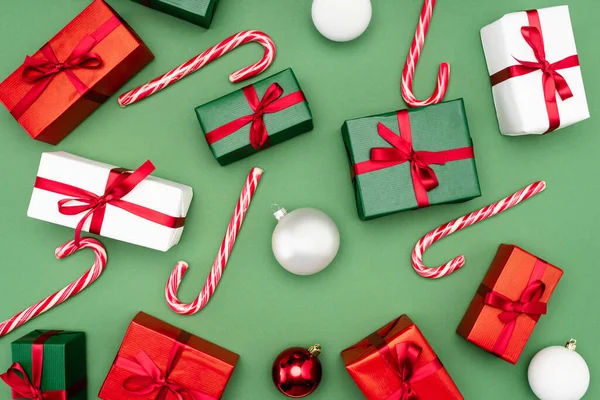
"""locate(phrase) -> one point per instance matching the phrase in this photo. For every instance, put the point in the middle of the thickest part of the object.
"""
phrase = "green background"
(260, 308)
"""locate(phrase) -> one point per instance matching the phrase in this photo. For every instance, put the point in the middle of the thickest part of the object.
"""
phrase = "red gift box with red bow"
(509, 302)
(58, 87)
(158, 361)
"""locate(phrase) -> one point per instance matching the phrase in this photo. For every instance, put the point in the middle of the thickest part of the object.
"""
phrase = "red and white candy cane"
(204, 58)
(413, 58)
(52, 301)
(220, 261)
(463, 222)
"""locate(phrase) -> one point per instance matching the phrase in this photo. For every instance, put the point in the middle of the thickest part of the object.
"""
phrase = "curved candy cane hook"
(74, 288)
(413, 58)
(463, 222)
(204, 58)
(220, 261)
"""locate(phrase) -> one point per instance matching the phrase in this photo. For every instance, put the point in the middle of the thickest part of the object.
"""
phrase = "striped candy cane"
(413, 58)
(52, 301)
(462, 222)
(204, 58)
(221, 260)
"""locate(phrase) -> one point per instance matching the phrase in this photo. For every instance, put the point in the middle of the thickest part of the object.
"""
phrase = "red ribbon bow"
(119, 184)
(552, 80)
(17, 379)
(40, 72)
(423, 176)
(148, 377)
(528, 304)
(407, 355)
(271, 102)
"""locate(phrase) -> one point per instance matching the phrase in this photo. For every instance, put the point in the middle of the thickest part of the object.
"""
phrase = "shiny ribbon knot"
(273, 101)
(528, 304)
(402, 152)
(552, 80)
(407, 355)
(148, 377)
(18, 381)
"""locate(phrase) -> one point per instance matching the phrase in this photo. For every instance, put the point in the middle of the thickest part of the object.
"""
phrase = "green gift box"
(53, 362)
(199, 12)
(430, 162)
(255, 117)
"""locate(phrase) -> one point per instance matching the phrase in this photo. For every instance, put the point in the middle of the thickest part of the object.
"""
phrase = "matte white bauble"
(559, 373)
(305, 241)
(341, 20)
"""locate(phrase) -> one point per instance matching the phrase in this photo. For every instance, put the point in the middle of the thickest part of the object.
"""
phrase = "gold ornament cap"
(571, 344)
(315, 350)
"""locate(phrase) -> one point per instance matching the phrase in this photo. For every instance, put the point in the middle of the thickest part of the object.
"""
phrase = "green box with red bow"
(199, 12)
(258, 116)
(410, 159)
(49, 365)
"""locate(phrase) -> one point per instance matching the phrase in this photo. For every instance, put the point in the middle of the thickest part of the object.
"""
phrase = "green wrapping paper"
(64, 360)
(434, 128)
(199, 12)
(280, 126)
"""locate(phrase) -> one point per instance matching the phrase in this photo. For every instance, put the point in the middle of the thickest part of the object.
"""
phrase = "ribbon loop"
(18, 381)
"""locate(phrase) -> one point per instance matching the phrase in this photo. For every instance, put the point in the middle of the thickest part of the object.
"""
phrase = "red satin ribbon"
(22, 387)
(424, 178)
(119, 184)
(148, 377)
(403, 363)
(528, 304)
(40, 72)
(271, 102)
(552, 81)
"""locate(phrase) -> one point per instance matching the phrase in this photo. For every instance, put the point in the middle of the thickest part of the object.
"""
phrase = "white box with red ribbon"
(91, 196)
(534, 68)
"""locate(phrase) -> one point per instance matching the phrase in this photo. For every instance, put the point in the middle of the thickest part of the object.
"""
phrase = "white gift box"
(520, 102)
(172, 199)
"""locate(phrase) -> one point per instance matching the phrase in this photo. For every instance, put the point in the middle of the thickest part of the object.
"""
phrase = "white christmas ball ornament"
(559, 373)
(341, 20)
(305, 241)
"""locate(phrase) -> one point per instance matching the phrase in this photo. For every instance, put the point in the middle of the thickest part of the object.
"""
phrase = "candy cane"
(463, 222)
(204, 58)
(52, 301)
(221, 260)
(413, 58)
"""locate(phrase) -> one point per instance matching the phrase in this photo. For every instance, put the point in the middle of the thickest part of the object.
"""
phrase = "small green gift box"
(49, 365)
(409, 159)
(199, 12)
(258, 116)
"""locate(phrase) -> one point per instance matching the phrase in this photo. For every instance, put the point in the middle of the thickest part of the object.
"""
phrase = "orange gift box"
(397, 363)
(70, 76)
(509, 302)
(159, 361)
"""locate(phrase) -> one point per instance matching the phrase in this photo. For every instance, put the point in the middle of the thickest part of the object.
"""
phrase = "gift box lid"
(201, 365)
(61, 107)
(199, 12)
(375, 377)
(435, 128)
(510, 273)
(282, 125)
(64, 358)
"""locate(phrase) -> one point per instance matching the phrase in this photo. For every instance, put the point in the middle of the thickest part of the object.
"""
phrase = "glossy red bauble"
(297, 371)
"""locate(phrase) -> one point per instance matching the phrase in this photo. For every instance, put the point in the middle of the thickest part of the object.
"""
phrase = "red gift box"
(70, 76)
(509, 302)
(397, 363)
(158, 361)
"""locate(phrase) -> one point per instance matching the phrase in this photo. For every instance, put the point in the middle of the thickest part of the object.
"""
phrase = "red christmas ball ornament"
(297, 371)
